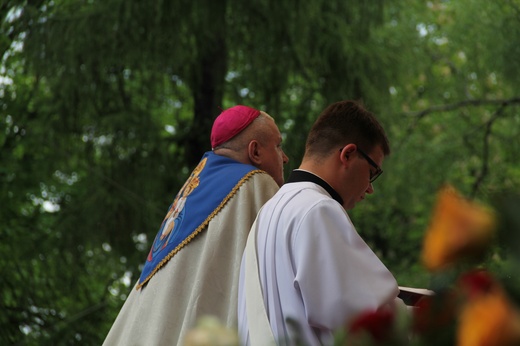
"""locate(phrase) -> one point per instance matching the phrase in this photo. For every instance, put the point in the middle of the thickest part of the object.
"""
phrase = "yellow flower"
(489, 320)
(458, 228)
(209, 331)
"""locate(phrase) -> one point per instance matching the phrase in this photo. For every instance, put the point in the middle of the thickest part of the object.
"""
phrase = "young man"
(193, 266)
(315, 271)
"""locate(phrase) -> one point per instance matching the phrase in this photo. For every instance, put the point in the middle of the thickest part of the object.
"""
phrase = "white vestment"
(201, 279)
(315, 269)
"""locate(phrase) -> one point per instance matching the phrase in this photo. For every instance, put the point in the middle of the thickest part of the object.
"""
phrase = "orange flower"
(489, 320)
(487, 316)
(458, 228)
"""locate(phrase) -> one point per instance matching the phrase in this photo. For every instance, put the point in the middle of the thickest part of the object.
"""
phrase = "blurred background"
(107, 105)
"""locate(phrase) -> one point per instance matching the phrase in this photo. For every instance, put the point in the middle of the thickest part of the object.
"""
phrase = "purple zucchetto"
(231, 122)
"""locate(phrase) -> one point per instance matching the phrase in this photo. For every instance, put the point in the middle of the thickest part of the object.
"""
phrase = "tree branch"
(485, 152)
(418, 116)
(465, 103)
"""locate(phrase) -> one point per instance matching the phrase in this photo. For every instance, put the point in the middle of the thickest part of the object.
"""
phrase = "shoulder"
(303, 200)
(309, 194)
(312, 207)
(256, 187)
(325, 211)
(259, 179)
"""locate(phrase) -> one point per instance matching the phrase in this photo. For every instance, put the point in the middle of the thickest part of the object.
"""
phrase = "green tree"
(107, 105)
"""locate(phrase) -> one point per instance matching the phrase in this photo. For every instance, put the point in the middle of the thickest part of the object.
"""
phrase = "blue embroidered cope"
(211, 184)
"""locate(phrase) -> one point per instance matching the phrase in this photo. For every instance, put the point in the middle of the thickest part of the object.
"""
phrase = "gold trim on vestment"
(201, 226)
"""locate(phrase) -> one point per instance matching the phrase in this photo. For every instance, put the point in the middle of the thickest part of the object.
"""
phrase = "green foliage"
(106, 106)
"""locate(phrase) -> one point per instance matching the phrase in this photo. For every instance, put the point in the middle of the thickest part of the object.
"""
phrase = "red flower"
(434, 313)
(477, 282)
(377, 323)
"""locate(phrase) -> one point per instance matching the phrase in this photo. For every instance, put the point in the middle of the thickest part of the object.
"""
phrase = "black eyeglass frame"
(379, 171)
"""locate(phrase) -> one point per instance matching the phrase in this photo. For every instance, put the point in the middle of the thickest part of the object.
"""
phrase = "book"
(411, 295)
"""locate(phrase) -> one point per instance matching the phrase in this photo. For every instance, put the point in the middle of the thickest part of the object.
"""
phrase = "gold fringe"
(200, 228)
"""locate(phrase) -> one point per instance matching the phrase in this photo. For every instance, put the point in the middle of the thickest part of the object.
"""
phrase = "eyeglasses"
(377, 173)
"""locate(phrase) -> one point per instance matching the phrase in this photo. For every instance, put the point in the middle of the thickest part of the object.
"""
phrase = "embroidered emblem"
(173, 219)
(201, 197)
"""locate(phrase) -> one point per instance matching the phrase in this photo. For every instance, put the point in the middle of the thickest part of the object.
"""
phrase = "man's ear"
(253, 151)
(347, 151)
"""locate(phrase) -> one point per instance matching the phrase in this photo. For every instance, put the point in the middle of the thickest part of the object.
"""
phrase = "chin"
(348, 206)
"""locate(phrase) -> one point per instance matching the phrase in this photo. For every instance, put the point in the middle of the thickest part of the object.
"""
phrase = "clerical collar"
(298, 176)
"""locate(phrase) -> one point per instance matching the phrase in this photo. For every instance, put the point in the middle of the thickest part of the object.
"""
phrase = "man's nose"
(285, 158)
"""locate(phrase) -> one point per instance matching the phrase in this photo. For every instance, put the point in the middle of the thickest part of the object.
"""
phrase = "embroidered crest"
(173, 220)
(210, 186)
